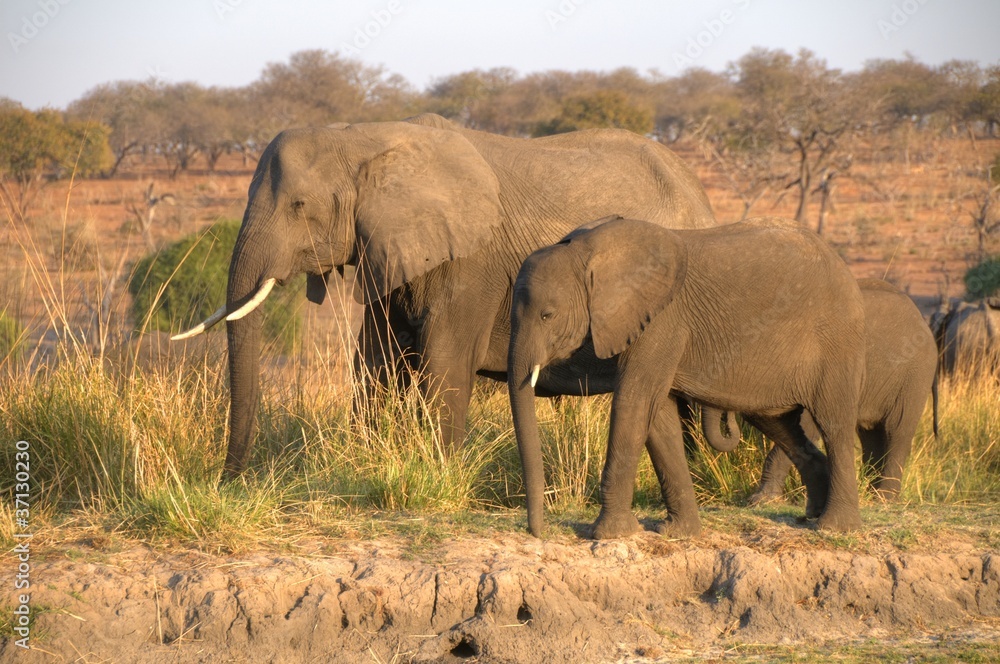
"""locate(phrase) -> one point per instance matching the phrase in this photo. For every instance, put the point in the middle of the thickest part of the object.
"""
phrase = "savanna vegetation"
(891, 163)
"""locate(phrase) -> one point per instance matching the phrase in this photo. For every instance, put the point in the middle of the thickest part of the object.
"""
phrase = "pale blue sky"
(228, 42)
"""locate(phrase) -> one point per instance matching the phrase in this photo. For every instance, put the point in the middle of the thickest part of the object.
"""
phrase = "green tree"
(126, 108)
(185, 282)
(804, 110)
(39, 147)
(985, 105)
(983, 280)
(606, 108)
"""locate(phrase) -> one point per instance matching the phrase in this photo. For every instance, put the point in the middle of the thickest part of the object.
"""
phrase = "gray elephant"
(900, 370)
(437, 221)
(968, 337)
(759, 317)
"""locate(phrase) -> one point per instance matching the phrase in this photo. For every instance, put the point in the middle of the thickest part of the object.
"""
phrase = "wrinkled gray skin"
(900, 372)
(759, 317)
(968, 337)
(437, 221)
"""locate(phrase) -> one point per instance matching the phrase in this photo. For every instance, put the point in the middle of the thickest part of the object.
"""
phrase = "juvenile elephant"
(900, 371)
(759, 317)
(437, 221)
(968, 337)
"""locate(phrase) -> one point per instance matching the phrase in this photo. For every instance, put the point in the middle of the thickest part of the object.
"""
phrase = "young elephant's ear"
(429, 198)
(588, 226)
(634, 270)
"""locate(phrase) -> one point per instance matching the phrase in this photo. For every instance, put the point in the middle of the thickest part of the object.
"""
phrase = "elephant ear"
(316, 287)
(634, 270)
(588, 226)
(427, 199)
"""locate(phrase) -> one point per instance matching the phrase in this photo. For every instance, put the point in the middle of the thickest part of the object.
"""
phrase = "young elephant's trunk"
(529, 444)
(711, 421)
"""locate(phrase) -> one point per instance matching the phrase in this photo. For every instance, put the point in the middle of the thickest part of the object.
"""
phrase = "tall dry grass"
(142, 453)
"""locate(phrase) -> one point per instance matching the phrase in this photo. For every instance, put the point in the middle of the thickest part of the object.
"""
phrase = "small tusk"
(254, 301)
(534, 374)
(202, 326)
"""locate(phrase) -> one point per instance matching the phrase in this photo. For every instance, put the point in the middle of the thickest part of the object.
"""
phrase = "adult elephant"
(968, 337)
(437, 221)
(901, 362)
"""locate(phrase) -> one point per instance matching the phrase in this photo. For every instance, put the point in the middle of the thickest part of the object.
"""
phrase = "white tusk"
(534, 374)
(202, 326)
(254, 301)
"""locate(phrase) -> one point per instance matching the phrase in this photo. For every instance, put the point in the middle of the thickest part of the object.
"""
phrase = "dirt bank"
(505, 599)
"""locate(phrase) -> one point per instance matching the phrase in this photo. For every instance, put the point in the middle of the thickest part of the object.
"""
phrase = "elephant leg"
(665, 445)
(786, 432)
(451, 356)
(896, 447)
(631, 421)
(873, 447)
(380, 361)
(777, 465)
(837, 423)
(448, 390)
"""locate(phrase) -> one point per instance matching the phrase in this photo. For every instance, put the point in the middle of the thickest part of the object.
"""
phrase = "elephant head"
(393, 199)
(604, 284)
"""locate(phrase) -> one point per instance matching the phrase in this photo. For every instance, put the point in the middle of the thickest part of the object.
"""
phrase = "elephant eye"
(298, 205)
(546, 315)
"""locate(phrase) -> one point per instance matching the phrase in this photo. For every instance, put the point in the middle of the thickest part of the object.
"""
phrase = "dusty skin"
(507, 597)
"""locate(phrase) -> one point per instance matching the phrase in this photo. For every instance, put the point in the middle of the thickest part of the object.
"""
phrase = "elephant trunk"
(711, 421)
(529, 445)
(246, 282)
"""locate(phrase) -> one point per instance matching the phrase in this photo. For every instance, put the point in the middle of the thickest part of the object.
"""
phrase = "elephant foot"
(887, 495)
(764, 496)
(817, 495)
(611, 527)
(842, 520)
(887, 491)
(675, 526)
(814, 508)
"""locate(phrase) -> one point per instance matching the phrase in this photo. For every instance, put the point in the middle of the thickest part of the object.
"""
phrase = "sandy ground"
(506, 597)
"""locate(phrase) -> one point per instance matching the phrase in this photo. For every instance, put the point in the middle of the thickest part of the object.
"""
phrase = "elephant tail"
(934, 395)
(939, 327)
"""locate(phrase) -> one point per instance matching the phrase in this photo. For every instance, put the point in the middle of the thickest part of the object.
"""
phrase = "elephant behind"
(900, 372)
(968, 337)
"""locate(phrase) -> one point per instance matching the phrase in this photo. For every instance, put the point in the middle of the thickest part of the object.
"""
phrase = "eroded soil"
(507, 597)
